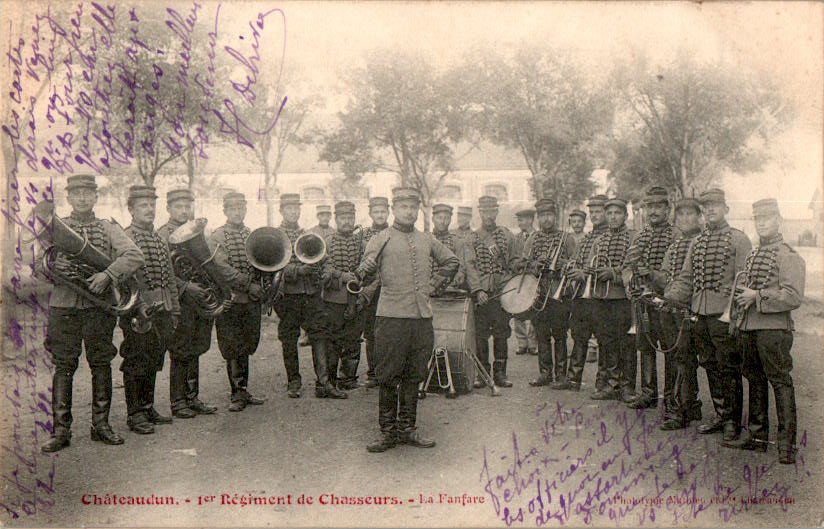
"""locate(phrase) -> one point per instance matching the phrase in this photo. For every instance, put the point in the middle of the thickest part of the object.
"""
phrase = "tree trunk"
(190, 166)
(268, 191)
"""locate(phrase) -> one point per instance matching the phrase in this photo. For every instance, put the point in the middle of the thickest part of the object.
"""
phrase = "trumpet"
(551, 270)
(122, 300)
(563, 284)
(269, 250)
(593, 288)
(727, 316)
(191, 255)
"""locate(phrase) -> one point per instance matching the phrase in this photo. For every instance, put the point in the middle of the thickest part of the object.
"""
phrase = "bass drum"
(519, 294)
(454, 324)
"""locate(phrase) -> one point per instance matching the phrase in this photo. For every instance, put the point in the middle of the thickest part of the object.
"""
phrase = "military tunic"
(371, 291)
(777, 273)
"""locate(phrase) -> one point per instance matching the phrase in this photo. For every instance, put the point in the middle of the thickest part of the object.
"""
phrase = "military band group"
(694, 289)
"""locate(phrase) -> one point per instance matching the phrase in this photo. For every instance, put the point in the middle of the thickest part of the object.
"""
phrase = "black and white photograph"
(412, 264)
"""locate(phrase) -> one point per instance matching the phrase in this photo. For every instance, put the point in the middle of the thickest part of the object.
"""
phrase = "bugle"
(731, 314)
(593, 287)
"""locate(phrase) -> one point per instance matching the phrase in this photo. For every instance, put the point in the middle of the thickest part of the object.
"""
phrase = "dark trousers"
(617, 348)
(238, 335)
(491, 320)
(683, 402)
(143, 356)
(345, 337)
(647, 344)
(403, 347)
(296, 311)
(552, 324)
(582, 327)
(721, 359)
(68, 330)
(192, 338)
(369, 315)
(767, 359)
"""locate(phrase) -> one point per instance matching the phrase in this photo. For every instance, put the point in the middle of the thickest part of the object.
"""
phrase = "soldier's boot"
(717, 395)
(148, 395)
(648, 397)
(101, 404)
(349, 366)
(371, 380)
(137, 420)
(238, 399)
(561, 353)
(787, 423)
(499, 343)
(735, 406)
(757, 434)
(323, 354)
(387, 419)
(177, 390)
(592, 350)
(61, 411)
(243, 365)
(193, 388)
(408, 416)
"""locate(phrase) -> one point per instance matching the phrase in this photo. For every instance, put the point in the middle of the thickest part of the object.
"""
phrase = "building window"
(314, 193)
(496, 190)
(450, 192)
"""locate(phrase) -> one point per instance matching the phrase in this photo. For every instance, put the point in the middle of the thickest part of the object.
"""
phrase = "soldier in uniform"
(705, 281)
(344, 253)
(238, 326)
(467, 277)
(193, 335)
(612, 312)
(494, 247)
(582, 321)
(323, 228)
(644, 258)
(404, 333)
(522, 328)
(683, 406)
(300, 306)
(552, 323)
(577, 220)
(74, 321)
(774, 288)
(143, 354)
(464, 230)
(378, 212)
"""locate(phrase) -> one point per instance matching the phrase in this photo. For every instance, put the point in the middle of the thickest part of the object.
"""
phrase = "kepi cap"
(233, 197)
(688, 203)
(487, 202)
(714, 195)
(615, 201)
(578, 213)
(545, 204)
(597, 200)
(141, 191)
(378, 201)
(528, 212)
(765, 207)
(183, 193)
(323, 208)
(442, 208)
(77, 181)
(290, 199)
(465, 210)
(405, 193)
(656, 195)
(344, 206)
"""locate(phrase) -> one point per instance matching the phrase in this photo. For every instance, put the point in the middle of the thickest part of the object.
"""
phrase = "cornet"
(593, 288)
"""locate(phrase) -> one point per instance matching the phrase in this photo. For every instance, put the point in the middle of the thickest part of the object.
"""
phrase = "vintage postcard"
(411, 264)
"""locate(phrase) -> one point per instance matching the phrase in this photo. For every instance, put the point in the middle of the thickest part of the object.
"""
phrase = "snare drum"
(454, 325)
(519, 294)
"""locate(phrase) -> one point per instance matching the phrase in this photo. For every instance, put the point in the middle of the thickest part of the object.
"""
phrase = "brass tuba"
(120, 299)
(269, 250)
(191, 254)
(310, 248)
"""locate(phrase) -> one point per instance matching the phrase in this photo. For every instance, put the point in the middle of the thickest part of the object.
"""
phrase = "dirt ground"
(533, 456)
